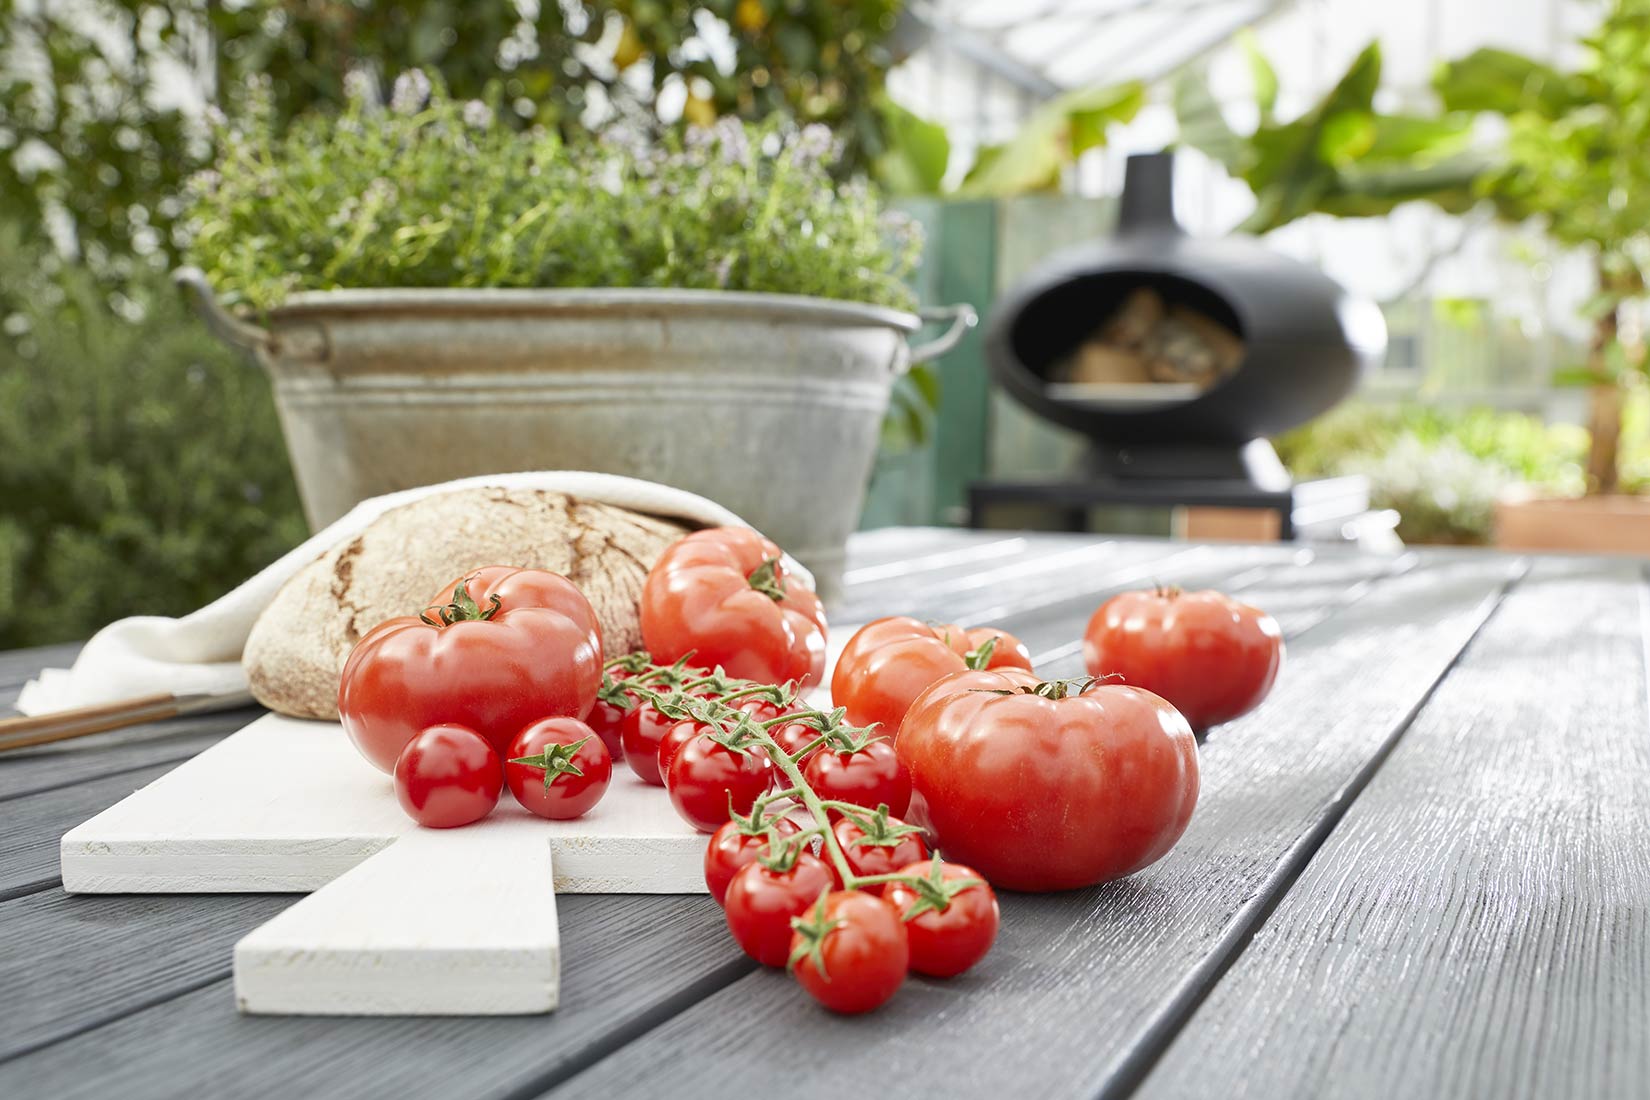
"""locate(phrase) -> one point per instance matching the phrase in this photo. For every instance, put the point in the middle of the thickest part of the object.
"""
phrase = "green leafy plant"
(142, 468)
(1573, 163)
(96, 135)
(1341, 156)
(1440, 468)
(917, 152)
(370, 199)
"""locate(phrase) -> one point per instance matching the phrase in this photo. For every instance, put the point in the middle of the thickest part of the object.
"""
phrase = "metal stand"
(1246, 477)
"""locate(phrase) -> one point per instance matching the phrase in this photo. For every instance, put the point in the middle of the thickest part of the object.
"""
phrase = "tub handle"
(961, 316)
(228, 327)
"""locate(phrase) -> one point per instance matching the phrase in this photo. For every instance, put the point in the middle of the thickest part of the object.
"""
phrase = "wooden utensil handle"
(42, 729)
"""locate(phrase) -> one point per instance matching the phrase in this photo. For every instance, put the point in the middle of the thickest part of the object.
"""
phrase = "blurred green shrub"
(1441, 469)
(141, 465)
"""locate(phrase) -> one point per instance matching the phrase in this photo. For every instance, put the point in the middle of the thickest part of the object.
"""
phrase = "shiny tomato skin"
(760, 903)
(641, 731)
(1041, 794)
(871, 777)
(865, 958)
(673, 740)
(568, 795)
(1211, 656)
(793, 737)
(946, 942)
(889, 662)
(730, 850)
(530, 661)
(877, 859)
(447, 776)
(708, 781)
(699, 598)
(607, 721)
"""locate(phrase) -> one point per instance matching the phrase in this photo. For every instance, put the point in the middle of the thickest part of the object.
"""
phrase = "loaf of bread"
(297, 648)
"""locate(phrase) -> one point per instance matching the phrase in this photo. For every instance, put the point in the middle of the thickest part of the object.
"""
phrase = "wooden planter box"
(1615, 524)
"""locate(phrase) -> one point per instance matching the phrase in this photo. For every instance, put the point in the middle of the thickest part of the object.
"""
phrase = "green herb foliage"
(430, 191)
(142, 469)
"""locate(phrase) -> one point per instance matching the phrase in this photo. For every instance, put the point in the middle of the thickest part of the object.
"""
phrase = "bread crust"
(298, 645)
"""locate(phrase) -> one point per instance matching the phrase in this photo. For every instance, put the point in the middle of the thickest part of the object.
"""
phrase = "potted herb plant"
(435, 296)
(1573, 162)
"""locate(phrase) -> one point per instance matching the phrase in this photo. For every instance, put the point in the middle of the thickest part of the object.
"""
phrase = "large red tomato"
(514, 646)
(1044, 786)
(1211, 656)
(889, 662)
(724, 595)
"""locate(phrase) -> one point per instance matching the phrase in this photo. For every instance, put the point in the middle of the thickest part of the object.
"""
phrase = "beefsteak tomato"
(889, 662)
(1211, 656)
(724, 595)
(497, 649)
(1048, 786)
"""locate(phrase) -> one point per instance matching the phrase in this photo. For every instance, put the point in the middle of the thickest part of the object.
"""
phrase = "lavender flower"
(360, 88)
(814, 145)
(412, 90)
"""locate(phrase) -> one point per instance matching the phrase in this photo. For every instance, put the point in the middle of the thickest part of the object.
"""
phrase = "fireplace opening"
(1129, 339)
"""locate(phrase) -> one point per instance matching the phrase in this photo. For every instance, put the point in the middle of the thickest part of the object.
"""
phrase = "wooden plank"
(36, 823)
(48, 767)
(18, 666)
(630, 962)
(73, 963)
(1479, 923)
(1081, 977)
(1041, 568)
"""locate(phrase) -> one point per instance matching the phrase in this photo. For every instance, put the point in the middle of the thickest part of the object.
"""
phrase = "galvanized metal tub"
(768, 404)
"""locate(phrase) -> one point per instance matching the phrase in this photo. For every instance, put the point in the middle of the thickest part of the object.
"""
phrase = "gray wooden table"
(1422, 868)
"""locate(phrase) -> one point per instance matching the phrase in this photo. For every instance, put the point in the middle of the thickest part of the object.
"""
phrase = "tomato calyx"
(878, 830)
(463, 608)
(633, 663)
(813, 928)
(1055, 689)
(765, 579)
(980, 657)
(935, 891)
(783, 852)
(758, 822)
(1168, 591)
(556, 760)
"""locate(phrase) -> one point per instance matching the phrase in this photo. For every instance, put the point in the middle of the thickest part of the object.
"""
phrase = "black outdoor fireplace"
(1177, 356)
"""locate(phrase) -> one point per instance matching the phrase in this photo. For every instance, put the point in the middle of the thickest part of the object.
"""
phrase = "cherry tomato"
(793, 737)
(675, 737)
(558, 768)
(522, 645)
(641, 731)
(850, 951)
(723, 594)
(606, 719)
(709, 782)
(945, 941)
(1211, 656)
(889, 662)
(447, 776)
(760, 903)
(1047, 787)
(869, 777)
(734, 845)
(884, 852)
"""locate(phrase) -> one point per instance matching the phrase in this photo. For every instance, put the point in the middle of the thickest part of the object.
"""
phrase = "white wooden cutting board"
(402, 920)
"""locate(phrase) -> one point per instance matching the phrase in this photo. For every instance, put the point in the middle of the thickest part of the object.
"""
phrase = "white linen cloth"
(200, 654)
